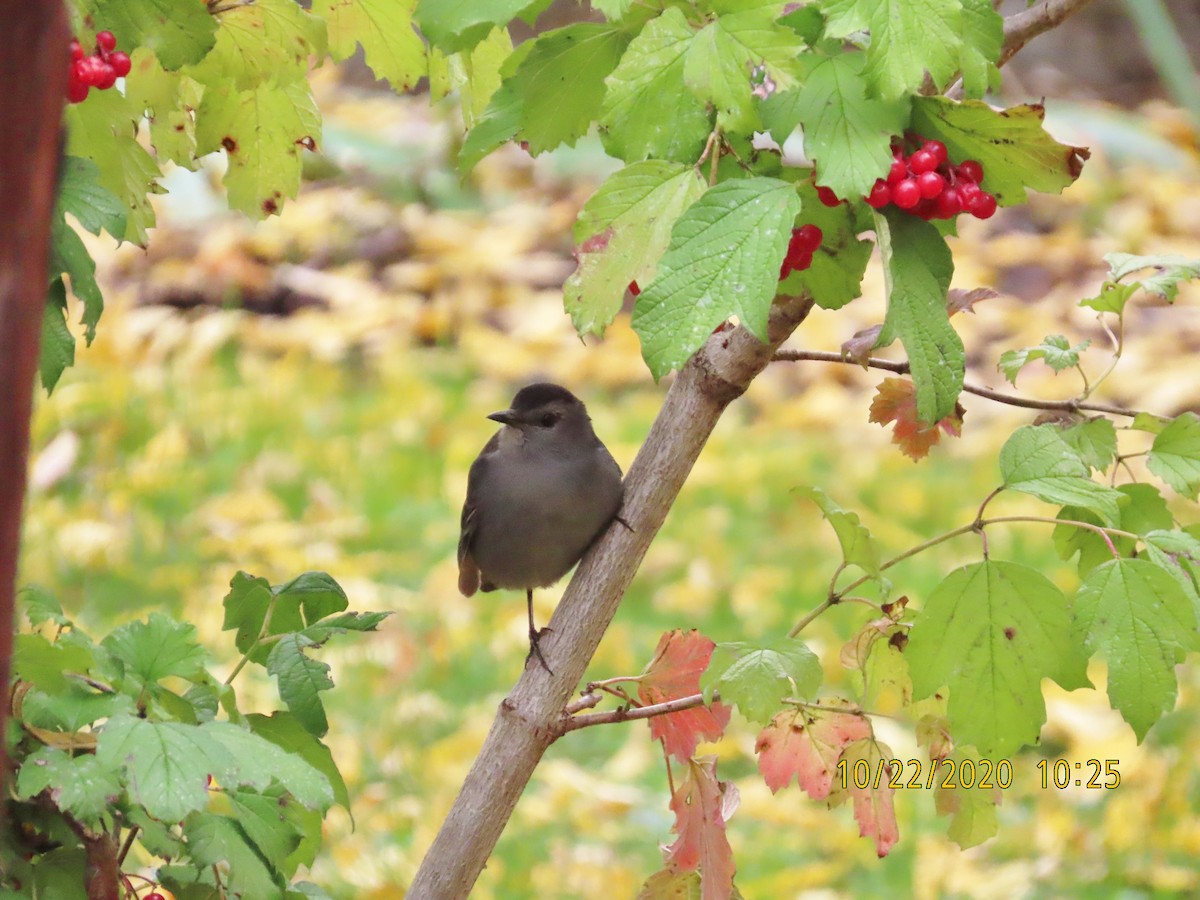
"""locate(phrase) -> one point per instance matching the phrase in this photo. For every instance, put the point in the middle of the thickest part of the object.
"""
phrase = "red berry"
(949, 204)
(926, 209)
(906, 194)
(930, 184)
(76, 49)
(968, 190)
(121, 63)
(785, 270)
(154, 895)
(970, 170)
(90, 70)
(634, 289)
(937, 148)
(808, 236)
(898, 172)
(982, 206)
(106, 41)
(77, 91)
(108, 76)
(880, 196)
(826, 196)
(922, 161)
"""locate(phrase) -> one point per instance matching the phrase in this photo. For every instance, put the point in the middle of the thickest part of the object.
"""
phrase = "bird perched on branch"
(539, 493)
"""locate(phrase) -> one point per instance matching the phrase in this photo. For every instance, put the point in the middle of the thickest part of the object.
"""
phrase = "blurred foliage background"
(308, 393)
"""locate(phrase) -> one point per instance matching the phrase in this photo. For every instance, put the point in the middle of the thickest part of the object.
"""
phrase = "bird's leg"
(535, 635)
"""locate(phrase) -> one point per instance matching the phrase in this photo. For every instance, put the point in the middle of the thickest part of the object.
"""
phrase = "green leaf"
(342, 624)
(158, 648)
(908, 39)
(621, 233)
(1094, 441)
(383, 28)
(265, 822)
(216, 840)
(990, 632)
(284, 730)
(1144, 511)
(560, 84)
(81, 194)
(1012, 146)
(846, 133)
(474, 74)
(723, 54)
(169, 99)
(301, 679)
(246, 607)
(294, 606)
(1169, 270)
(1141, 619)
(57, 350)
(60, 874)
(1175, 454)
(648, 110)
(917, 271)
(178, 33)
(258, 761)
(972, 810)
(835, 276)
(858, 546)
(723, 260)
(41, 606)
(501, 120)
(983, 36)
(167, 763)
(1037, 461)
(453, 25)
(1054, 350)
(81, 786)
(45, 664)
(758, 677)
(1112, 297)
(72, 709)
(267, 41)
(263, 131)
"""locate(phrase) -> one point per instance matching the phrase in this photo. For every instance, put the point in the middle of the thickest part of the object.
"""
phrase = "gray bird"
(541, 490)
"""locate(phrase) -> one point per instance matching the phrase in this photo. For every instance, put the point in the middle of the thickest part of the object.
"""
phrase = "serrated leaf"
(674, 672)
(1012, 146)
(474, 74)
(1144, 510)
(343, 624)
(167, 764)
(284, 730)
(874, 807)
(384, 29)
(263, 131)
(81, 194)
(648, 111)
(1037, 461)
(1175, 455)
(858, 546)
(178, 33)
(972, 810)
(501, 119)
(723, 260)
(991, 631)
(846, 133)
(40, 605)
(895, 401)
(757, 678)
(917, 271)
(727, 50)
(1141, 619)
(982, 38)
(301, 680)
(1170, 270)
(169, 99)
(621, 233)
(908, 39)
(57, 348)
(216, 840)
(806, 745)
(453, 25)
(1055, 350)
(1094, 441)
(246, 607)
(258, 761)
(264, 821)
(45, 664)
(82, 786)
(1112, 297)
(294, 606)
(560, 84)
(157, 648)
(267, 41)
(702, 805)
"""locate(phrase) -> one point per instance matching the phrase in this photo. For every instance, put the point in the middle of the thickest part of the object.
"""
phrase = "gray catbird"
(540, 491)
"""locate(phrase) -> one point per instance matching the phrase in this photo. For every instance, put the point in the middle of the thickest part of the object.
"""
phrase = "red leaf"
(896, 401)
(859, 347)
(806, 745)
(702, 805)
(959, 300)
(873, 804)
(675, 671)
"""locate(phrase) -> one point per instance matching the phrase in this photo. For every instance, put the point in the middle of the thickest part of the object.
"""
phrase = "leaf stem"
(262, 637)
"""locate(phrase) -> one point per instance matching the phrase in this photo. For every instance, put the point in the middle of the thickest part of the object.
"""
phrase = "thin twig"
(1021, 28)
(903, 368)
(585, 720)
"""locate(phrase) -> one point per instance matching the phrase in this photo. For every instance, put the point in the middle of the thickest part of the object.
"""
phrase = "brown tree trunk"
(33, 72)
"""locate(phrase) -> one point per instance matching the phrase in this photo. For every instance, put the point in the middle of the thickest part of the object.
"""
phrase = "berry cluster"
(99, 70)
(928, 185)
(803, 244)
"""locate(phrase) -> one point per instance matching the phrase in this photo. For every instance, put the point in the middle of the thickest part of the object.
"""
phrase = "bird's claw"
(535, 649)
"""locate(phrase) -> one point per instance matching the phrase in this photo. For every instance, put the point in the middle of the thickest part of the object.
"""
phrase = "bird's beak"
(506, 417)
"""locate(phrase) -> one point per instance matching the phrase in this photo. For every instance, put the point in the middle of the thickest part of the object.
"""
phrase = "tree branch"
(902, 368)
(528, 719)
(1021, 28)
(624, 714)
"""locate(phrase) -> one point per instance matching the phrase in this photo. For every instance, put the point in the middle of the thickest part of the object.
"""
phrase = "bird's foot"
(535, 636)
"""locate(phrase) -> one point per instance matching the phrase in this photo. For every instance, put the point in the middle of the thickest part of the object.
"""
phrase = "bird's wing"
(468, 571)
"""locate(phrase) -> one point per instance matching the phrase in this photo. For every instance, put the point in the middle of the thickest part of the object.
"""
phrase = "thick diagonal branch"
(1022, 27)
(528, 719)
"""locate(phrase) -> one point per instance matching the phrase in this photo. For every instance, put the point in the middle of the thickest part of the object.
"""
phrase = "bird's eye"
(548, 420)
